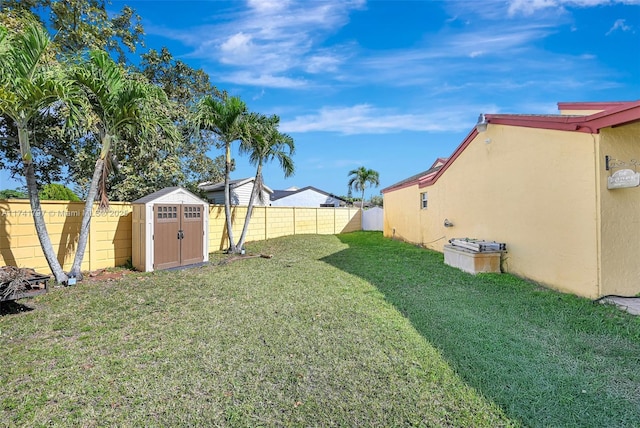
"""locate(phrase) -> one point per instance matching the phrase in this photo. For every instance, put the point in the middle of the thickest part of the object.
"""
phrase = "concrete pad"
(629, 304)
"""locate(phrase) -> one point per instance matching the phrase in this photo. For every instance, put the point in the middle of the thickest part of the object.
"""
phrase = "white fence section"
(372, 219)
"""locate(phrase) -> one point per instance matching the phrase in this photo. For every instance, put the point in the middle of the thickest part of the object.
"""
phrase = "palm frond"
(27, 50)
(32, 81)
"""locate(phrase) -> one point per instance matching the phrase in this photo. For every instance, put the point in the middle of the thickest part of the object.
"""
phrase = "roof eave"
(621, 113)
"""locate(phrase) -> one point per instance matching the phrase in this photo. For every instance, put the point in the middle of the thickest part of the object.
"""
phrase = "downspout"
(598, 208)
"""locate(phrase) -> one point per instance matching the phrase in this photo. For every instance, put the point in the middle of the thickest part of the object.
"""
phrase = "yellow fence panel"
(109, 241)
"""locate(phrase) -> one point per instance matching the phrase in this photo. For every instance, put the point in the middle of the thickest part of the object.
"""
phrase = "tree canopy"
(13, 194)
(83, 25)
(32, 83)
(71, 112)
(57, 192)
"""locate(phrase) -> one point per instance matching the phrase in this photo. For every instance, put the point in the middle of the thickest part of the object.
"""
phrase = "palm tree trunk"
(40, 225)
(257, 187)
(362, 201)
(227, 198)
(86, 221)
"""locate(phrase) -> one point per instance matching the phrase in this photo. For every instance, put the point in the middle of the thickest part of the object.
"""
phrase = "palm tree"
(359, 178)
(265, 144)
(225, 118)
(31, 82)
(121, 106)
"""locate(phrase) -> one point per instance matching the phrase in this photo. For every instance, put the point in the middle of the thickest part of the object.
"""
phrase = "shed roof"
(165, 192)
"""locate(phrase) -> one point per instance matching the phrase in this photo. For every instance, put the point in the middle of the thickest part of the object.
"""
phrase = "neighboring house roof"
(612, 114)
(213, 187)
(279, 194)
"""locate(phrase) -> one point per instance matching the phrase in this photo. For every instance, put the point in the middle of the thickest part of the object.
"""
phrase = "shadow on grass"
(547, 358)
(11, 307)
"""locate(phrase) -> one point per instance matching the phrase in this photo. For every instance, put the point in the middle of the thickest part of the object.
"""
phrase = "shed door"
(192, 234)
(166, 246)
(178, 235)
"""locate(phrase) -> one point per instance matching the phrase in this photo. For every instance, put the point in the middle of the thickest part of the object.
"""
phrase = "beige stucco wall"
(401, 218)
(620, 213)
(533, 189)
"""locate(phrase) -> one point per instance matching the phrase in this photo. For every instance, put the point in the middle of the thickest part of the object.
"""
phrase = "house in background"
(560, 190)
(306, 197)
(240, 192)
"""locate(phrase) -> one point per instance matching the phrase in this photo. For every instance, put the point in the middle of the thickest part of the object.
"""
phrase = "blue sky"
(392, 85)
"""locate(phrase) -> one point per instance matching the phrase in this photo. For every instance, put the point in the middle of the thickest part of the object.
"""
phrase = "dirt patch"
(106, 275)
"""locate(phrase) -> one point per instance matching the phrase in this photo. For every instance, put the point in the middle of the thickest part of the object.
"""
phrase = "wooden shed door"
(192, 234)
(178, 235)
(166, 245)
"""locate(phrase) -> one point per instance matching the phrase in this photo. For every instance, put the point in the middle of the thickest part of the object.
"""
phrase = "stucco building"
(560, 190)
(240, 192)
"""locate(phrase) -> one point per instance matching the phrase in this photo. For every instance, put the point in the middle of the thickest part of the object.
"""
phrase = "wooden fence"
(109, 241)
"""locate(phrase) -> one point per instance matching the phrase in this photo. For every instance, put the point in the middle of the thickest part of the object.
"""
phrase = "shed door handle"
(180, 234)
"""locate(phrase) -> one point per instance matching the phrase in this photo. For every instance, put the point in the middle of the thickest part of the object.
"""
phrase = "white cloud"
(236, 47)
(268, 6)
(620, 25)
(529, 7)
(366, 119)
(275, 37)
(322, 63)
(283, 44)
(263, 80)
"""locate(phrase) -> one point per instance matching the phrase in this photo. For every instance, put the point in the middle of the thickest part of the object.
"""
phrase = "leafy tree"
(377, 201)
(57, 192)
(225, 118)
(13, 194)
(184, 86)
(122, 107)
(265, 144)
(50, 150)
(85, 24)
(78, 25)
(359, 179)
(31, 82)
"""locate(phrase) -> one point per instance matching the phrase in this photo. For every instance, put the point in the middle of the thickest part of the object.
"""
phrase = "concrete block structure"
(560, 190)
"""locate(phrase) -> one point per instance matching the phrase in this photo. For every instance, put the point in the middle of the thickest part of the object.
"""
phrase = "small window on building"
(423, 200)
(326, 205)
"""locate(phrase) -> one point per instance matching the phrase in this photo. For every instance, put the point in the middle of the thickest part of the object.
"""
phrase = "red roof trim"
(592, 124)
(590, 105)
(432, 179)
(620, 113)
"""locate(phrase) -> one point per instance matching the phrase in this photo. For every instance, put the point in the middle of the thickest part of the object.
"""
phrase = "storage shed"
(169, 229)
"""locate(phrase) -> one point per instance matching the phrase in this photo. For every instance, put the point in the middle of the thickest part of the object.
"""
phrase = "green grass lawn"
(353, 330)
